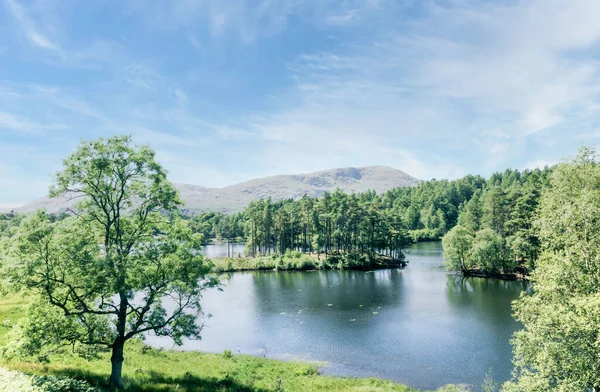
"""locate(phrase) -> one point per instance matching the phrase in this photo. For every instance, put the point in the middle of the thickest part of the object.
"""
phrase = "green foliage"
(100, 276)
(337, 223)
(501, 214)
(488, 253)
(488, 383)
(61, 384)
(298, 261)
(421, 235)
(472, 212)
(227, 354)
(457, 245)
(559, 346)
(218, 226)
(344, 223)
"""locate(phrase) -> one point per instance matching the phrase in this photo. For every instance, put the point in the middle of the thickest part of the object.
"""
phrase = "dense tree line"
(490, 219)
(341, 223)
(335, 223)
(495, 233)
(220, 227)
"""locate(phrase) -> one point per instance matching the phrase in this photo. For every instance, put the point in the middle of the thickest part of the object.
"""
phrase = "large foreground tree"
(559, 346)
(122, 265)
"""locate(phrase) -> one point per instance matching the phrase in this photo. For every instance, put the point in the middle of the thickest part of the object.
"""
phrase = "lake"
(421, 325)
(220, 250)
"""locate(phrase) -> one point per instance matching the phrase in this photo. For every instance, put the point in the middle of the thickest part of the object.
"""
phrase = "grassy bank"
(297, 261)
(147, 369)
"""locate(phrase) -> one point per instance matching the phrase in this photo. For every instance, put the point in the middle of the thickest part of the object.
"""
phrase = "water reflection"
(421, 325)
(220, 250)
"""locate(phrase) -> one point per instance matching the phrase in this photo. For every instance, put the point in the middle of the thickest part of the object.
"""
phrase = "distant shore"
(297, 261)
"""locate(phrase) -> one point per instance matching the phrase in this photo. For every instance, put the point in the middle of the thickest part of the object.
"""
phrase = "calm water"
(220, 250)
(420, 326)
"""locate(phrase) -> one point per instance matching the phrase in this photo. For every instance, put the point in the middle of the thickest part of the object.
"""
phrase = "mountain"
(235, 197)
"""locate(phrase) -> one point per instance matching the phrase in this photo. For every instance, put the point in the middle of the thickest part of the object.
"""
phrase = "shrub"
(306, 263)
(61, 384)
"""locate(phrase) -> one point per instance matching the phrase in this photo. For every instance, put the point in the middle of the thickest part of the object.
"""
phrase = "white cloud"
(474, 76)
(519, 60)
(29, 27)
(460, 86)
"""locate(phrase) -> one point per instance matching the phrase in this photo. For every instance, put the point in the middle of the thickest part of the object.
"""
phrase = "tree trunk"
(117, 365)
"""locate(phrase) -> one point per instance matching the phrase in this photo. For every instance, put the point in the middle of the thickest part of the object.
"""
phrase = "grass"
(153, 370)
(12, 309)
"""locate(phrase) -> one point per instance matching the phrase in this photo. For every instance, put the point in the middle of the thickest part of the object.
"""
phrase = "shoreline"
(307, 262)
(499, 276)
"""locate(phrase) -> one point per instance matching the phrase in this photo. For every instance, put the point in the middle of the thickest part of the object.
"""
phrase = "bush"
(306, 263)
(61, 384)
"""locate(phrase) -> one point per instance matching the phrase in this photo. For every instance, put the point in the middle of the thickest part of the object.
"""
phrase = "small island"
(297, 261)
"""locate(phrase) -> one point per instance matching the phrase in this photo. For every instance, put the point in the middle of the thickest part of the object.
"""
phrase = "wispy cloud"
(247, 19)
(12, 122)
(231, 90)
(475, 75)
(29, 27)
(55, 96)
(141, 76)
(344, 17)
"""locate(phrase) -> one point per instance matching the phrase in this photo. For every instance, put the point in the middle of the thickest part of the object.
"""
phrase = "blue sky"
(226, 91)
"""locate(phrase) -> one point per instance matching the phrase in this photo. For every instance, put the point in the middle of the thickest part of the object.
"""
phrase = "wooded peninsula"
(487, 226)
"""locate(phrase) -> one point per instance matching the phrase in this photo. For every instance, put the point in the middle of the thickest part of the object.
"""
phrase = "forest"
(490, 220)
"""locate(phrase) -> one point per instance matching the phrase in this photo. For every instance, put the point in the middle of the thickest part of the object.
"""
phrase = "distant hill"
(236, 197)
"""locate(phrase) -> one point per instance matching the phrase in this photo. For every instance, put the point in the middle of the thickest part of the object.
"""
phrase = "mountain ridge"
(236, 197)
